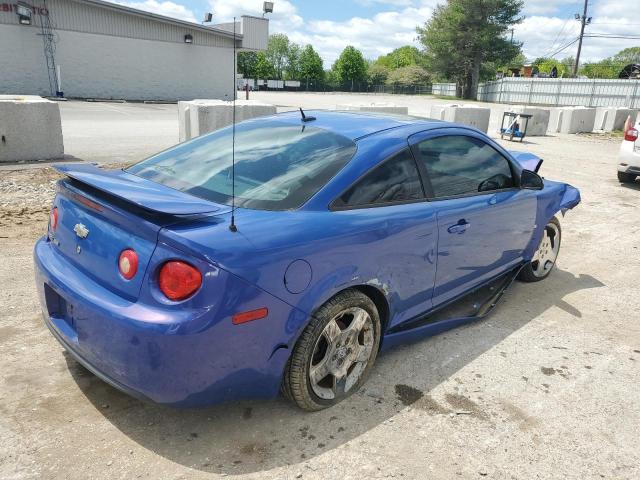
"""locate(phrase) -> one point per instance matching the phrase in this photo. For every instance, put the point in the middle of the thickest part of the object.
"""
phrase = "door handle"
(459, 227)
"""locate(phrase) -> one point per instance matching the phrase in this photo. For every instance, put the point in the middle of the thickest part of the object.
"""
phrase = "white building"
(108, 51)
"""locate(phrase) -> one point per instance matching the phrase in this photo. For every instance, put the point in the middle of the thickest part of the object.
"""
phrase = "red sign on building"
(13, 7)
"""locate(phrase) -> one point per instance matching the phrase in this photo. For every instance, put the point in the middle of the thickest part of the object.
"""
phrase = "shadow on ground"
(256, 436)
(632, 186)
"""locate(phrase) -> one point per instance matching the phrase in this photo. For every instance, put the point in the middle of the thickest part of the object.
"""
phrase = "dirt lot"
(546, 387)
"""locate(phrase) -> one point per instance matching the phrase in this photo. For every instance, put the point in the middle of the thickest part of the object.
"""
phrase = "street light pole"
(583, 22)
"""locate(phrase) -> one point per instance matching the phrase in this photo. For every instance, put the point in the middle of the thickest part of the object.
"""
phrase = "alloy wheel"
(341, 353)
(545, 257)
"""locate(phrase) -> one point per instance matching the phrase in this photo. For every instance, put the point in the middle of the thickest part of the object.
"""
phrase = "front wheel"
(335, 353)
(624, 177)
(545, 257)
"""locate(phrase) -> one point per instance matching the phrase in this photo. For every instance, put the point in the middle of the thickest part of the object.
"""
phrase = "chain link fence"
(348, 87)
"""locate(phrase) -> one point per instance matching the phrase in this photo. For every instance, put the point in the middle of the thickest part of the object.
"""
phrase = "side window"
(395, 180)
(459, 165)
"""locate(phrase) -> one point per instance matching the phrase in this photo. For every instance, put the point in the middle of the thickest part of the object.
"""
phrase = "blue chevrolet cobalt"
(287, 259)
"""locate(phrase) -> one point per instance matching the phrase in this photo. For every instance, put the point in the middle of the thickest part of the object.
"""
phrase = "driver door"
(484, 219)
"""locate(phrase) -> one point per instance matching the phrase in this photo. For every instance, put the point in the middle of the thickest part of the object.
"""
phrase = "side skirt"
(471, 306)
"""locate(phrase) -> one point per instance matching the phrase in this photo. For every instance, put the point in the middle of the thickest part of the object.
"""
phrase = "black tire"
(296, 384)
(626, 177)
(528, 274)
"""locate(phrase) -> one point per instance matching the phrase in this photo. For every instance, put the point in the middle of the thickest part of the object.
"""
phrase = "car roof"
(355, 125)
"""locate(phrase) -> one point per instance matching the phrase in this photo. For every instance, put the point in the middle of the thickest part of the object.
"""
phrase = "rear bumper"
(629, 158)
(176, 357)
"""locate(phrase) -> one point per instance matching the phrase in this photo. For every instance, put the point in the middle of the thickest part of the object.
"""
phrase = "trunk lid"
(101, 213)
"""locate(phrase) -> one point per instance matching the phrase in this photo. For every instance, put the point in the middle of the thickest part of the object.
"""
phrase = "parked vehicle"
(188, 281)
(629, 157)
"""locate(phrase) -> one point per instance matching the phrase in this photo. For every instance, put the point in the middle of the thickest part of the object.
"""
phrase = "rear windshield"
(278, 166)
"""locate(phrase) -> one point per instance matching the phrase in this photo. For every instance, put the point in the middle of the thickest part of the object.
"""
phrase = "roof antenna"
(232, 225)
(304, 117)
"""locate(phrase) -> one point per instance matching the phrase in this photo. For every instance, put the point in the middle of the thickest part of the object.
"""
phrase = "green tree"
(411, 75)
(568, 63)
(277, 53)
(378, 74)
(247, 62)
(292, 69)
(331, 79)
(350, 66)
(264, 69)
(311, 67)
(402, 57)
(603, 69)
(545, 65)
(627, 56)
(462, 35)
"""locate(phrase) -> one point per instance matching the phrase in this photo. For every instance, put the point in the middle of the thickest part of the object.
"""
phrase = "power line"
(561, 49)
(620, 24)
(614, 36)
(553, 45)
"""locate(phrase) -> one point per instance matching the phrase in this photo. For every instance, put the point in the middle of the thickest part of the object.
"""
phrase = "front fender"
(570, 198)
(553, 198)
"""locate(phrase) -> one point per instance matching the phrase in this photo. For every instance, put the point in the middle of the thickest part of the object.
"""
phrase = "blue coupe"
(350, 233)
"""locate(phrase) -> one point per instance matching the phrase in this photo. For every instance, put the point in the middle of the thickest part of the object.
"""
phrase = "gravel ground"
(546, 387)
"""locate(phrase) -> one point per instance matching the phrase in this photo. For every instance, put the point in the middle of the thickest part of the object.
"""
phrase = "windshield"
(278, 166)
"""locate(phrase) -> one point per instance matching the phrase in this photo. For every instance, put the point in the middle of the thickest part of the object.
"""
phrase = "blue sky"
(378, 26)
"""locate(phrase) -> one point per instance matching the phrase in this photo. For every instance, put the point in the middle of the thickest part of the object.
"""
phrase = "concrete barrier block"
(375, 107)
(538, 123)
(477, 117)
(30, 129)
(246, 109)
(184, 121)
(576, 119)
(204, 116)
(555, 117)
(437, 112)
(613, 118)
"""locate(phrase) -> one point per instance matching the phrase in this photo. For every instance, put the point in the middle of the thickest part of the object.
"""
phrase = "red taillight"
(245, 317)
(179, 280)
(53, 219)
(631, 135)
(128, 264)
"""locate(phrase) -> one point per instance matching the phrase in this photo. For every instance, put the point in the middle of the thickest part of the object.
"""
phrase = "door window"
(395, 180)
(460, 165)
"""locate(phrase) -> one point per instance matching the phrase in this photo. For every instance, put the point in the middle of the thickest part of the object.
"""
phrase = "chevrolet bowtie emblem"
(81, 230)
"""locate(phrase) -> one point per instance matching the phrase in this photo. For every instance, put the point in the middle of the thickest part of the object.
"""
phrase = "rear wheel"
(544, 259)
(626, 177)
(335, 353)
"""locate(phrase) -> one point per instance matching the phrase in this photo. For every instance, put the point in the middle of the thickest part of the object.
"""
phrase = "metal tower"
(49, 43)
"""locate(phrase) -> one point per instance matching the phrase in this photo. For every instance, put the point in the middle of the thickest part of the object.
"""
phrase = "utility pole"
(584, 21)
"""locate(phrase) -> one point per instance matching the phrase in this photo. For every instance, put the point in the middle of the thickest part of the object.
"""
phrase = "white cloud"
(283, 19)
(539, 33)
(539, 7)
(375, 36)
(543, 31)
(403, 3)
(168, 9)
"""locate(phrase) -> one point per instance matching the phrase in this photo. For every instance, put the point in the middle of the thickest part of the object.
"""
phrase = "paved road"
(129, 132)
(117, 132)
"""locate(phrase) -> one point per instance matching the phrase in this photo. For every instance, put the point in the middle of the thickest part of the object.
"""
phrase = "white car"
(629, 158)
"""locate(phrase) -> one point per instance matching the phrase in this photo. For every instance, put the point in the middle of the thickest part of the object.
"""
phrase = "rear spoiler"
(143, 193)
(527, 160)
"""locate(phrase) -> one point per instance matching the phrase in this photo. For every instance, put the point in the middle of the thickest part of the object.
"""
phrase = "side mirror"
(531, 180)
